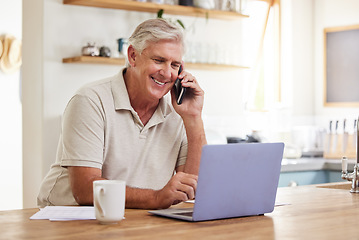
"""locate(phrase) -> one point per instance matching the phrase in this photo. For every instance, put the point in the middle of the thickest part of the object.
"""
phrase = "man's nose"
(167, 71)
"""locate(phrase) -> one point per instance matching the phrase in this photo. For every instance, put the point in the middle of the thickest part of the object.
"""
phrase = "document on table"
(65, 213)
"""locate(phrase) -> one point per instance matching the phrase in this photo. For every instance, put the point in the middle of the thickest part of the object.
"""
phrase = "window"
(262, 43)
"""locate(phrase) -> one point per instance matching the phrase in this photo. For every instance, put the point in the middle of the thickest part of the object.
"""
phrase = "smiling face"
(156, 68)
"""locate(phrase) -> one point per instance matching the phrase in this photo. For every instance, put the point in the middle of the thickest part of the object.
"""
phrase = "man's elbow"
(83, 199)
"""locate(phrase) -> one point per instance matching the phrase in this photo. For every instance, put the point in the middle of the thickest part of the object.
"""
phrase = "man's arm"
(180, 188)
(81, 181)
(191, 112)
(196, 139)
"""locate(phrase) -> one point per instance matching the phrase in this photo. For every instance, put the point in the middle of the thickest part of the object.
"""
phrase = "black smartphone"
(179, 90)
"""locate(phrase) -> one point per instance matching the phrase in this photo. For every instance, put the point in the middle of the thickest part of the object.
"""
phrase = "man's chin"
(160, 94)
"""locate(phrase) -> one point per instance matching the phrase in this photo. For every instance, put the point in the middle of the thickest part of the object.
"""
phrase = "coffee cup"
(109, 200)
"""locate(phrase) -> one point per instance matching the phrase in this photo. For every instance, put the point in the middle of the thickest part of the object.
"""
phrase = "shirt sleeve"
(182, 155)
(83, 133)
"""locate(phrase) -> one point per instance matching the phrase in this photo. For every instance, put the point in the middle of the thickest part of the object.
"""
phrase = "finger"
(190, 82)
(187, 189)
(190, 181)
(183, 72)
(180, 197)
(188, 184)
(195, 89)
(187, 77)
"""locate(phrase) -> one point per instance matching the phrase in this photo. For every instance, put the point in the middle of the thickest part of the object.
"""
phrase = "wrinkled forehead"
(164, 49)
(180, 44)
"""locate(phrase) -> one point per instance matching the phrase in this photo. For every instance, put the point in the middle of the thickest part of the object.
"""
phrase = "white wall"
(32, 96)
(10, 121)
(298, 59)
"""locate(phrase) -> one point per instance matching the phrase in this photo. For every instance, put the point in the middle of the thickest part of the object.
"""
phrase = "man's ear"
(131, 55)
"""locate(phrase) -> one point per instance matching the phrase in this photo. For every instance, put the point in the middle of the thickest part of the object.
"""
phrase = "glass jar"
(171, 2)
(157, 1)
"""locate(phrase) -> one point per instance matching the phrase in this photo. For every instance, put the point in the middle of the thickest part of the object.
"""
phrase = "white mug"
(109, 200)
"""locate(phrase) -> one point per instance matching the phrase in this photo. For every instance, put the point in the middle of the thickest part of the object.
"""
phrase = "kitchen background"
(52, 31)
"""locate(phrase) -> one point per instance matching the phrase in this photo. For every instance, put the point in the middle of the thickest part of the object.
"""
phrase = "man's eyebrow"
(165, 59)
(159, 57)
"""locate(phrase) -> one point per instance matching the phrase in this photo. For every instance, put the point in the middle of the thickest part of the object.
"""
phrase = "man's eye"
(158, 60)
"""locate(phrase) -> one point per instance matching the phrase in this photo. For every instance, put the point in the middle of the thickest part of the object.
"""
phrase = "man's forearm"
(181, 187)
(141, 198)
(196, 139)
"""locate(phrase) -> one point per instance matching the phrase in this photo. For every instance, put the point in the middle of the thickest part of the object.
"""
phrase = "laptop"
(234, 180)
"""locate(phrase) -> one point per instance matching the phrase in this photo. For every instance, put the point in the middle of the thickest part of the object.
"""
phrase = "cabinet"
(153, 7)
(301, 178)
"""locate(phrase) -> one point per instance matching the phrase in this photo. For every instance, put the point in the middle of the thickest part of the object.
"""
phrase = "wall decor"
(341, 66)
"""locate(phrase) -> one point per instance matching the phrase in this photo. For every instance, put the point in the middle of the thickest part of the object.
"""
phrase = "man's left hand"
(192, 103)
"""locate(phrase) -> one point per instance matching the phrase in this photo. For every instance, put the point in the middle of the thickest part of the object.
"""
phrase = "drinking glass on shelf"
(157, 1)
(225, 5)
(219, 54)
(212, 53)
(206, 4)
(204, 52)
(227, 55)
(171, 2)
(191, 53)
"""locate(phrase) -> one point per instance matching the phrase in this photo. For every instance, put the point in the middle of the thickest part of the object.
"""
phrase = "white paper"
(65, 213)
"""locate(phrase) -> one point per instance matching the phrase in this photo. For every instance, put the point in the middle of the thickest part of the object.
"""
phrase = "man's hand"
(192, 103)
(181, 187)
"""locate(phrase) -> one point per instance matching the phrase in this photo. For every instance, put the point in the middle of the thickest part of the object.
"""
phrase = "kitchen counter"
(314, 164)
(326, 211)
(306, 171)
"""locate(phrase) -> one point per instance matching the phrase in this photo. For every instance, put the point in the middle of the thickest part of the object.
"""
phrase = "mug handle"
(99, 191)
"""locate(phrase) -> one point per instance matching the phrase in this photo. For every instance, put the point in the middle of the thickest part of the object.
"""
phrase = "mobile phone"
(179, 90)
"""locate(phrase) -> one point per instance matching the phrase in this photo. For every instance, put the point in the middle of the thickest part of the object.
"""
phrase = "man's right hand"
(181, 187)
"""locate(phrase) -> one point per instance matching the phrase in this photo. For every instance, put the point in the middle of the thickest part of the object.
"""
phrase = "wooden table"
(315, 212)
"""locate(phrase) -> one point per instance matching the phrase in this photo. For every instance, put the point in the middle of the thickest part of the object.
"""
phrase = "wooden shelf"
(154, 8)
(214, 67)
(121, 61)
(95, 60)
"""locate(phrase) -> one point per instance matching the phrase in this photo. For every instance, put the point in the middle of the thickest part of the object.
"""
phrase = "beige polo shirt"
(100, 129)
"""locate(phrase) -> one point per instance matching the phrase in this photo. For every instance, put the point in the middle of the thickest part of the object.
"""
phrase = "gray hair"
(155, 30)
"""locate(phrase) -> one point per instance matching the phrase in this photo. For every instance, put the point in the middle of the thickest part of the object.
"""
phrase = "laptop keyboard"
(189, 214)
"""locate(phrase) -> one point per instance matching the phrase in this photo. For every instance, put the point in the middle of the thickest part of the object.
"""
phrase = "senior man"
(126, 127)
